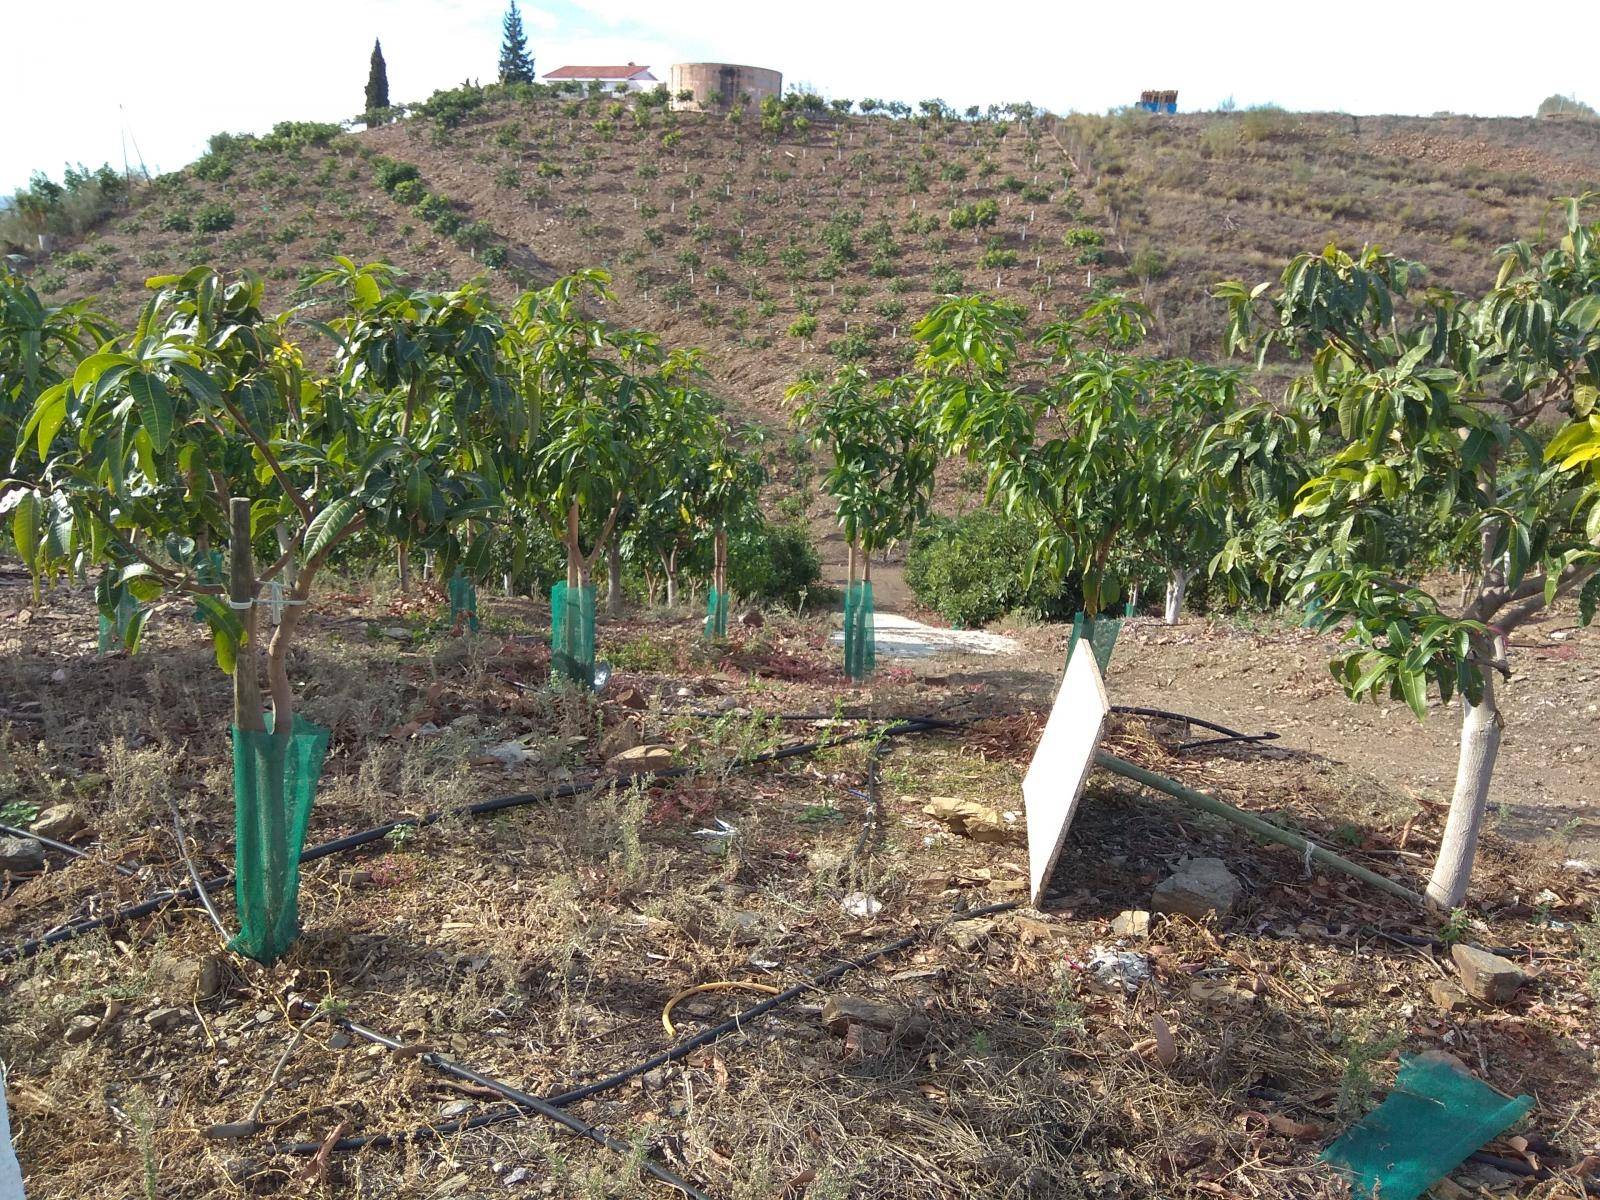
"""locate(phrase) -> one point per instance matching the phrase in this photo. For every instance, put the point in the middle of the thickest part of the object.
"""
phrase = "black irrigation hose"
(610, 1082)
(63, 847)
(31, 946)
(1228, 735)
(524, 1102)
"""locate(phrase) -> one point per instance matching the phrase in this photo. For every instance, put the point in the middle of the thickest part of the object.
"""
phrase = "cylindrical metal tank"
(718, 85)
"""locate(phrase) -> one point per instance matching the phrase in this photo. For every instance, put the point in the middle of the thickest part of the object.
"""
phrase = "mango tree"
(1436, 411)
(204, 420)
(434, 350)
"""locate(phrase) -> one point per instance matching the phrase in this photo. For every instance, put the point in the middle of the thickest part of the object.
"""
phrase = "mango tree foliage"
(40, 345)
(1115, 458)
(1436, 412)
(882, 458)
(207, 402)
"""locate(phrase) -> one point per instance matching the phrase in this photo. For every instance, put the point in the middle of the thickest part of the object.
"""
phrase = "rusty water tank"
(716, 86)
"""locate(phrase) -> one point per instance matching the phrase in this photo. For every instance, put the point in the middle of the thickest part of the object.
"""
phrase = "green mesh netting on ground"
(716, 614)
(1101, 633)
(463, 601)
(572, 632)
(274, 784)
(1436, 1116)
(860, 650)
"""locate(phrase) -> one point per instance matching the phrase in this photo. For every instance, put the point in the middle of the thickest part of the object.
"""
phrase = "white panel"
(1062, 762)
(10, 1172)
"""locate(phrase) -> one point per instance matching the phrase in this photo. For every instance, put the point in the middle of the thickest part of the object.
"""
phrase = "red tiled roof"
(631, 71)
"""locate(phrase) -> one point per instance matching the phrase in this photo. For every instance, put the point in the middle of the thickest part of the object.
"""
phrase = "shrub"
(409, 191)
(772, 562)
(1082, 235)
(288, 135)
(175, 222)
(390, 174)
(493, 257)
(947, 280)
(77, 260)
(214, 218)
(996, 257)
(803, 327)
(971, 570)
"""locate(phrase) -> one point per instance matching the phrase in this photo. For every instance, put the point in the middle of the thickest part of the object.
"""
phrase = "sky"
(107, 79)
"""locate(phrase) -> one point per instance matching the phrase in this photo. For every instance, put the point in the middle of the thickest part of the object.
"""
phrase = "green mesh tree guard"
(716, 615)
(572, 632)
(860, 650)
(1101, 633)
(463, 601)
(114, 633)
(274, 783)
(1436, 1116)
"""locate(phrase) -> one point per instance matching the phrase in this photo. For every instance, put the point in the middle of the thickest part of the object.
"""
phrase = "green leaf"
(328, 524)
(1414, 687)
(27, 526)
(155, 408)
(1588, 600)
(48, 415)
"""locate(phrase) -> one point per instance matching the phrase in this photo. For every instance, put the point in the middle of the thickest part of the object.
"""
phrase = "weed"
(1456, 927)
(1363, 1050)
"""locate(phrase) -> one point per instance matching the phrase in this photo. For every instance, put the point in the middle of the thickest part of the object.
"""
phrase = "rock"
(641, 759)
(164, 1019)
(516, 1175)
(1215, 991)
(621, 737)
(631, 698)
(1199, 888)
(1485, 976)
(60, 821)
(969, 935)
(1131, 922)
(746, 928)
(1447, 996)
(839, 1013)
(454, 1109)
(976, 821)
(751, 618)
(81, 1029)
(197, 978)
(859, 904)
(21, 855)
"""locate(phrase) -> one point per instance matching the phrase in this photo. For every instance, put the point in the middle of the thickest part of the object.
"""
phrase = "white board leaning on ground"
(10, 1171)
(1061, 764)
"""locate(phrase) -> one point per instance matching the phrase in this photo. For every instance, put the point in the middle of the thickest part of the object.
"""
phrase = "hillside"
(737, 238)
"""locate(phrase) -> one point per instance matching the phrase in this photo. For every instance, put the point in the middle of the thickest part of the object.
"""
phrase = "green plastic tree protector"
(860, 650)
(716, 615)
(274, 783)
(1101, 633)
(1436, 1116)
(463, 601)
(572, 632)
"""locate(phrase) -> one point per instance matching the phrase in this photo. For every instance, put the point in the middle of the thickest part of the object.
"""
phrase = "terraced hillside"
(800, 240)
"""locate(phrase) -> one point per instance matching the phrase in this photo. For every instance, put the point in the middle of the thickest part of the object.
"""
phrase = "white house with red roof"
(629, 78)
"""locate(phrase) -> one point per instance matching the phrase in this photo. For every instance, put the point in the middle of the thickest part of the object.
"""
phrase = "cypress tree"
(377, 80)
(516, 64)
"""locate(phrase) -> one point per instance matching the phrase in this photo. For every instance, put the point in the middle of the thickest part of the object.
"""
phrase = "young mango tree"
(727, 495)
(435, 350)
(1436, 412)
(204, 420)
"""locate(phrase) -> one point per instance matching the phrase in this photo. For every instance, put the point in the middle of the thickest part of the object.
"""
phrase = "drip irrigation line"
(1229, 735)
(523, 1100)
(672, 1054)
(1229, 740)
(31, 946)
(63, 847)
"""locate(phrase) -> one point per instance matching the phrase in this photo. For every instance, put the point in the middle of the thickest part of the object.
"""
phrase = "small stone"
(1199, 888)
(1131, 922)
(21, 855)
(631, 698)
(641, 759)
(59, 821)
(454, 1109)
(1447, 996)
(81, 1029)
(1211, 991)
(340, 1040)
(969, 935)
(516, 1175)
(196, 978)
(164, 1019)
(1485, 976)
(751, 618)
(620, 737)
(59, 675)
(746, 928)
(841, 1013)
(234, 1129)
(863, 1041)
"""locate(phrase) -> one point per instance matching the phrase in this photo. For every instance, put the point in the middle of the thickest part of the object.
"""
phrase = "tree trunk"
(575, 563)
(669, 568)
(291, 569)
(242, 591)
(427, 565)
(851, 576)
(1177, 589)
(402, 562)
(507, 586)
(613, 581)
(1481, 727)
